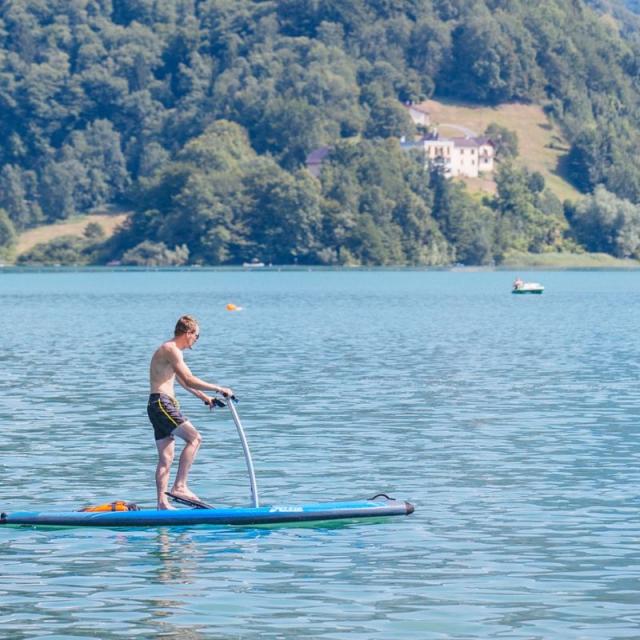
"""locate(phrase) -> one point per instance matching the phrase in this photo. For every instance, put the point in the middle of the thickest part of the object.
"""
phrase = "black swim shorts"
(164, 413)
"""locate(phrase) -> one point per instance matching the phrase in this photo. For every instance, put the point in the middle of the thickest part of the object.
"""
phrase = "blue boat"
(380, 506)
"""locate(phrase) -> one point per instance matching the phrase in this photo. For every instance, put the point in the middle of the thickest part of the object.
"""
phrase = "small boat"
(201, 513)
(520, 286)
(254, 264)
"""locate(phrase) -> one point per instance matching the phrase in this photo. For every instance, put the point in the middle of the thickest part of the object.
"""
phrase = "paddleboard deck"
(239, 516)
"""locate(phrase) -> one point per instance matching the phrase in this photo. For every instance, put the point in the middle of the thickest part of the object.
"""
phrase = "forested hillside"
(199, 114)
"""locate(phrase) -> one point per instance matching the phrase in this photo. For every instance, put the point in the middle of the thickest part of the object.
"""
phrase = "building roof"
(472, 143)
(465, 142)
(485, 140)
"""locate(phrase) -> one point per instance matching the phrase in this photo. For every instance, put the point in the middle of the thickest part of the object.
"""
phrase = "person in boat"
(518, 283)
(167, 365)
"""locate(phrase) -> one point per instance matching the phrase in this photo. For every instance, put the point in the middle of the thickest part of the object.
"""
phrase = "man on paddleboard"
(167, 365)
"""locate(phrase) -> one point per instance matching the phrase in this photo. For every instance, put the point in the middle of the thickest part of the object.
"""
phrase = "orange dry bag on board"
(118, 505)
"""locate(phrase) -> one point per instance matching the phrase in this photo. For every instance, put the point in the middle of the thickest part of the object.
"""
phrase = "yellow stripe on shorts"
(166, 414)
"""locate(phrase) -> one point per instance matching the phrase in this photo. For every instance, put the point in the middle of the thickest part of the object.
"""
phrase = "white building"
(467, 157)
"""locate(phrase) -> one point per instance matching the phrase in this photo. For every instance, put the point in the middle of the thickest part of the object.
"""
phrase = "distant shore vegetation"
(198, 117)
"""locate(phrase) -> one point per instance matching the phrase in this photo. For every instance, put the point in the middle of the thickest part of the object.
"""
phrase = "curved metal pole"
(247, 453)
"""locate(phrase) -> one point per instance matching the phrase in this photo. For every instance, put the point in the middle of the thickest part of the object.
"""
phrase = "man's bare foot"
(165, 506)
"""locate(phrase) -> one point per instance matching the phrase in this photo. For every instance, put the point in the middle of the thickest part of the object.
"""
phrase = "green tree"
(503, 69)
(505, 141)
(283, 215)
(70, 250)
(388, 119)
(8, 235)
(98, 149)
(375, 183)
(94, 231)
(18, 196)
(589, 158)
(61, 184)
(155, 254)
(198, 200)
(604, 222)
(469, 227)
(525, 225)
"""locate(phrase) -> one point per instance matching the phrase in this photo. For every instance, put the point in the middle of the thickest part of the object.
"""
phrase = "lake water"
(511, 422)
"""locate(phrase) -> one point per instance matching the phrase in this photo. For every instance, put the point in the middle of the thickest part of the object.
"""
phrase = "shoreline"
(515, 267)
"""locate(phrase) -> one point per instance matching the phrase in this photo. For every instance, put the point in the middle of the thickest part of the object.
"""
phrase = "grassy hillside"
(554, 260)
(73, 227)
(542, 147)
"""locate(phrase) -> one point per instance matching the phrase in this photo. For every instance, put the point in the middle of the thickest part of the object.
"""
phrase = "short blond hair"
(184, 325)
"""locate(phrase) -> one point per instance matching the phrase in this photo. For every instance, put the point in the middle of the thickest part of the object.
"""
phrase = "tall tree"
(8, 234)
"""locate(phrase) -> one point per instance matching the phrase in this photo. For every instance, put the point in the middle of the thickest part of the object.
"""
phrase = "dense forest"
(197, 115)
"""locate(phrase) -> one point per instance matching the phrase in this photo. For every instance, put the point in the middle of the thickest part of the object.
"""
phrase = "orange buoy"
(233, 307)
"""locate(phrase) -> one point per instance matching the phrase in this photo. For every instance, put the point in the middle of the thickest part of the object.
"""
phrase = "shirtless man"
(167, 364)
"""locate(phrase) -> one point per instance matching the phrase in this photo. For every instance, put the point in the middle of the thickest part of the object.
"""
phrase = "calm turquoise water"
(512, 423)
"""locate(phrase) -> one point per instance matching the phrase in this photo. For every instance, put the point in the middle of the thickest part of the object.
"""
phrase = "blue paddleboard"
(263, 515)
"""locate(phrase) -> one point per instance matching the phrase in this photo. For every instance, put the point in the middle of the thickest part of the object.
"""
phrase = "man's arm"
(196, 392)
(192, 383)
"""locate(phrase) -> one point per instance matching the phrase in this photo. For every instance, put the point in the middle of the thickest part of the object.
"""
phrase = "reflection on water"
(511, 423)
